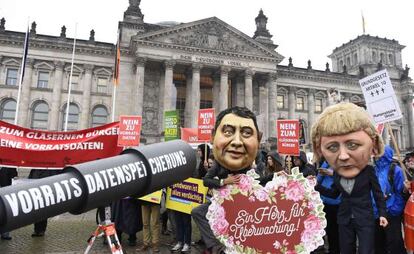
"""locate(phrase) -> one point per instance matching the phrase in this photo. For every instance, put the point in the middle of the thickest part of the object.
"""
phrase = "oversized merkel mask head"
(345, 136)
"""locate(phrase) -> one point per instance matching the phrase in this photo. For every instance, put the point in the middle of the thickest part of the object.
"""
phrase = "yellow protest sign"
(184, 196)
(154, 197)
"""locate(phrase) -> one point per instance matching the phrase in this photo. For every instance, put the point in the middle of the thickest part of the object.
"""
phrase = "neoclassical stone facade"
(187, 66)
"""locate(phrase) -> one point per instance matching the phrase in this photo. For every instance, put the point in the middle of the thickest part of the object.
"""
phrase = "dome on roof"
(168, 23)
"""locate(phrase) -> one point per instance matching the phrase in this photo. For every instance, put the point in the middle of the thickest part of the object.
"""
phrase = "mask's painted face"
(235, 142)
(348, 154)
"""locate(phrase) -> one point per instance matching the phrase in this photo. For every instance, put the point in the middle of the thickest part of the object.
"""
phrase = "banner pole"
(70, 80)
(205, 151)
(397, 150)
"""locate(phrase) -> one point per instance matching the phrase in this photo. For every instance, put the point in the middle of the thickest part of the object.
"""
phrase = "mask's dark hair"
(238, 111)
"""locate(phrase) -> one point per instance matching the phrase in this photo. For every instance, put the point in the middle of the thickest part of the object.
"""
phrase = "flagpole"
(70, 80)
(23, 66)
(363, 22)
(116, 75)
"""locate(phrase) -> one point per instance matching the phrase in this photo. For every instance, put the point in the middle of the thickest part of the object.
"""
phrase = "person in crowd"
(305, 167)
(126, 214)
(183, 232)
(409, 165)
(331, 205)
(236, 141)
(6, 176)
(345, 136)
(389, 240)
(273, 166)
(203, 164)
(151, 226)
(40, 226)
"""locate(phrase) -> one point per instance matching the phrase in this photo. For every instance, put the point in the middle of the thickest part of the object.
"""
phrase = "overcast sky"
(303, 29)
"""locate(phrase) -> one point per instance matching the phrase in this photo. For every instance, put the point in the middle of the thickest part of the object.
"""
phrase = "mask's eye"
(333, 148)
(352, 145)
(246, 132)
(228, 130)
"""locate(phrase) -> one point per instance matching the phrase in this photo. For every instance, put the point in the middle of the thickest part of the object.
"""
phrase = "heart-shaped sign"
(285, 216)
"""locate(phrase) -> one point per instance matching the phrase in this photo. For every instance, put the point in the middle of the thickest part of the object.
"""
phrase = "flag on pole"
(26, 49)
(363, 23)
(117, 62)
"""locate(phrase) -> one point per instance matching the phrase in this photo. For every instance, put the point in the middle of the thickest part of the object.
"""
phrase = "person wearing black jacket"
(6, 176)
(345, 136)
(305, 167)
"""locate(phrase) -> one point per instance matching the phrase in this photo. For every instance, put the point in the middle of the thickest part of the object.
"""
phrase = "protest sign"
(184, 196)
(21, 147)
(379, 128)
(288, 137)
(154, 197)
(382, 104)
(129, 130)
(189, 135)
(285, 216)
(171, 122)
(205, 124)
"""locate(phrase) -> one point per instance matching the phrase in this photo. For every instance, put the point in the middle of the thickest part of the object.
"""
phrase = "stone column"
(138, 90)
(292, 102)
(56, 96)
(216, 92)
(272, 97)
(224, 88)
(264, 107)
(169, 104)
(311, 112)
(86, 97)
(24, 111)
(408, 100)
(188, 98)
(195, 96)
(248, 89)
(240, 91)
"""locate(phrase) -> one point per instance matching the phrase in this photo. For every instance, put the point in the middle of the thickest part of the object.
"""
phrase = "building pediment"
(209, 34)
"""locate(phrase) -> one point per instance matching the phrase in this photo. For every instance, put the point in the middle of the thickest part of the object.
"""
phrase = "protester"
(6, 176)
(183, 229)
(331, 205)
(203, 164)
(126, 214)
(235, 143)
(345, 136)
(409, 165)
(273, 165)
(389, 240)
(151, 226)
(40, 226)
(305, 167)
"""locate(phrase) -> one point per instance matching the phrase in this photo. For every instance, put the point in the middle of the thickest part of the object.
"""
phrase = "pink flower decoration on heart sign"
(294, 191)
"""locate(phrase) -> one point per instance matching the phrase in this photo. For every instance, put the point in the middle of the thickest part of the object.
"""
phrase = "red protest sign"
(129, 130)
(189, 135)
(21, 147)
(205, 124)
(380, 128)
(285, 216)
(288, 137)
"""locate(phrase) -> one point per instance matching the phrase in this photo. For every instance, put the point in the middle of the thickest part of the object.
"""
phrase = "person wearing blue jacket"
(389, 240)
(326, 179)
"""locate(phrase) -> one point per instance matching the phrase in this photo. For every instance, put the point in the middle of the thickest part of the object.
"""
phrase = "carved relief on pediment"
(211, 36)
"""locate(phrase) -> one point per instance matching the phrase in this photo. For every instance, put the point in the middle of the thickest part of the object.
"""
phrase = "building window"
(102, 85)
(318, 105)
(75, 82)
(391, 59)
(99, 116)
(280, 101)
(300, 103)
(40, 115)
(43, 79)
(73, 117)
(8, 110)
(11, 77)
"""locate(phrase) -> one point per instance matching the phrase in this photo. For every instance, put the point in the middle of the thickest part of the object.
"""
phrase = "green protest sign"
(171, 121)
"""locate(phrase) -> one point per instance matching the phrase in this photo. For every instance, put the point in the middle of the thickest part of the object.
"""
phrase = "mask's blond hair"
(341, 119)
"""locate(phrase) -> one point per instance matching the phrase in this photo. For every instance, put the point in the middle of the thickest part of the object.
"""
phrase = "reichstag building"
(188, 66)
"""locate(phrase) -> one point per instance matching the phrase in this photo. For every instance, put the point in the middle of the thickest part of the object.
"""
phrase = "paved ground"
(67, 234)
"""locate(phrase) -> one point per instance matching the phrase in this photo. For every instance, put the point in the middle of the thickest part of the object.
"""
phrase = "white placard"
(382, 104)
